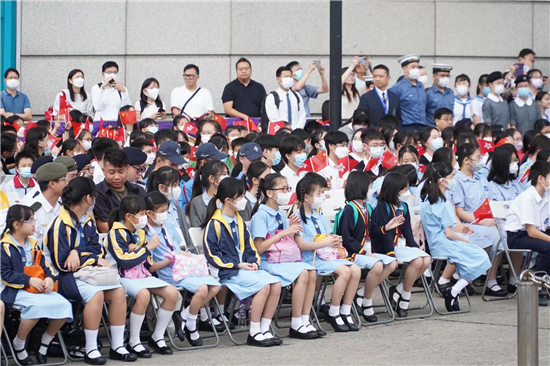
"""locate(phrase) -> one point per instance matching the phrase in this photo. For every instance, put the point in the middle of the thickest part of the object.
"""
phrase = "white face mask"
(490, 139)
(357, 146)
(391, 146)
(499, 89)
(341, 152)
(317, 202)
(403, 197)
(21, 132)
(153, 93)
(173, 193)
(283, 198)
(443, 82)
(376, 152)
(423, 79)
(240, 205)
(78, 82)
(414, 74)
(141, 223)
(456, 168)
(536, 82)
(110, 76)
(287, 83)
(86, 145)
(462, 90)
(222, 177)
(150, 158)
(205, 138)
(153, 129)
(415, 166)
(514, 168)
(161, 218)
(13, 84)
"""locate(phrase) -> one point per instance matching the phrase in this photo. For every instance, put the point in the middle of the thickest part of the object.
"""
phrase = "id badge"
(401, 242)
(368, 246)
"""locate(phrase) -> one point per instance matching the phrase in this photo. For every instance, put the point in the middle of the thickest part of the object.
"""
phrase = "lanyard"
(397, 230)
(385, 105)
(364, 216)
(167, 240)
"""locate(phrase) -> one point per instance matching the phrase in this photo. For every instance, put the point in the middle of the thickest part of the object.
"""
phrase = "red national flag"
(66, 113)
(103, 131)
(483, 211)
(352, 164)
(120, 134)
(520, 155)
(30, 124)
(420, 150)
(372, 162)
(422, 168)
(87, 124)
(307, 166)
(54, 140)
(525, 177)
(252, 126)
(241, 123)
(319, 161)
(63, 102)
(14, 125)
(501, 142)
(190, 172)
(343, 166)
(128, 117)
(324, 123)
(389, 160)
(220, 120)
(292, 199)
(190, 128)
(485, 146)
(77, 128)
(193, 153)
(274, 127)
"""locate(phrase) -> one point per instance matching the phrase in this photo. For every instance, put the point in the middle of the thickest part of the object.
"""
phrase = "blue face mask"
(524, 92)
(277, 159)
(486, 90)
(91, 127)
(300, 159)
(47, 152)
(153, 129)
(25, 172)
(299, 74)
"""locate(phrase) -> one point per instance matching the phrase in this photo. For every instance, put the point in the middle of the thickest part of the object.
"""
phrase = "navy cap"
(522, 79)
(209, 150)
(494, 76)
(39, 162)
(251, 151)
(81, 161)
(135, 155)
(172, 151)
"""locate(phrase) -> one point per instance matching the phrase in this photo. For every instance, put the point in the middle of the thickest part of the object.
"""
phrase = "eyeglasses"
(139, 169)
(241, 69)
(31, 221)
(189, 76)
(286, 189)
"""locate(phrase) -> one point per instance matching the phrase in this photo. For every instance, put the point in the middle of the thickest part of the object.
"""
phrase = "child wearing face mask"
(204, 288)
(270, 225)
(293, 153)
(337, 145)
(228, 246)
(392, 235)
(463, 103)
(357, 146)
(431, 141)
(495, 109)
(23, 182)
(438, 219)
(133, 255)
(374, 146)
(472, 189)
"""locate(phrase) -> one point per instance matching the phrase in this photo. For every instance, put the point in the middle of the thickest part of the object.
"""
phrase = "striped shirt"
(84, 106)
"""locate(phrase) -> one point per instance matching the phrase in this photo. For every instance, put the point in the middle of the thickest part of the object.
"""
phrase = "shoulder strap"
(36, 206)
(276, 98)
(191, 97)
(297, 99)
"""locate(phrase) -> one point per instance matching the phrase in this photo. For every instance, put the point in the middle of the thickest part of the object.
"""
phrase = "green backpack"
(403, 208)
(338, 217)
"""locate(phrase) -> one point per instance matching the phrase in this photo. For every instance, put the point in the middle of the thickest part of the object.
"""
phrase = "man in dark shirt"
(242, 98)
(114, 187)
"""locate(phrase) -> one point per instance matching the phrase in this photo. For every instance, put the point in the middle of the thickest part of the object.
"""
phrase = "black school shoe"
(451, 302)
(498, 293)
(276, 341)
(178, 323)
(369, 318)
(195, 343)
(206, 326)
(40, 358)
(358, 301)
(127, 357)
(141, 354)
(25, 361)
(230, 323)
(251, 341)
(157, 349)
(333, 323)
(352, 327)
(94, 361)
(296, 334)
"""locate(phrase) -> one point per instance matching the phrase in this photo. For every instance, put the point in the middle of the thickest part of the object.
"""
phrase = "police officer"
(439, 95)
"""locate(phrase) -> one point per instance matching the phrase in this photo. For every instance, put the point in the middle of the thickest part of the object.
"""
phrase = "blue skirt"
(328, 266)
(286, 272)
(471, 261)
(38, 306)
(365, 261)
(248, 283)
(407, 254)
(132, 287)
(88, 291)
(192, 284)
(484, 236)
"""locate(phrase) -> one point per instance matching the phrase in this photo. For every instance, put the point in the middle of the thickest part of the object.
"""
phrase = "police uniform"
(435, 99)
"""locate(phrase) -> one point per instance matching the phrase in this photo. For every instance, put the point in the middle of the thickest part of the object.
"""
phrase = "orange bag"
(36, 271)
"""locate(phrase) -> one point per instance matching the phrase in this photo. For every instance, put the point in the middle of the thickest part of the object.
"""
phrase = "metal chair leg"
(425, 290)
(387, 305)
(506, 254)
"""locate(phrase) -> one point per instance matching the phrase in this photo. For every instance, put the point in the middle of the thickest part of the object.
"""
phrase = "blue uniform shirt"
(435, 99)
(16, 104)
(413, 102)
(504, 192)
(265, 221)
(307, 92)
(469, 193)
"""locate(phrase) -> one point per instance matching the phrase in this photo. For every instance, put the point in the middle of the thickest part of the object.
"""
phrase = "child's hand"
(395, 222)
(294, 219)
(186, 253)
(292, 230)
(37, 283)
(248, 266)
(487, 222)
(101, 262)
(153, 243)
(48, 285)
(73, 261)
(329, 242)
(133, 247)
(337, 239)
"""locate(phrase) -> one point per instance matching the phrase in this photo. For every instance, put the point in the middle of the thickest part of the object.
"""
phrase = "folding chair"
(196, 235)
(5, 359)
(500, 211)
(436, 274)
(387, 304)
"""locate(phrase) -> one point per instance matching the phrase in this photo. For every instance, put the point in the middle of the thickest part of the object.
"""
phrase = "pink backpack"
(136, 272)
(284, 251)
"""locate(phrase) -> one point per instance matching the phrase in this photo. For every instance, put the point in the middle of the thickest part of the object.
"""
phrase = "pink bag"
(329, 253)
(136, 272)
(184, 267)
(284, 251)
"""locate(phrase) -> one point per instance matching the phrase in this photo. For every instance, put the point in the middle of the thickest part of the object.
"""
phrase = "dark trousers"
(521, 240)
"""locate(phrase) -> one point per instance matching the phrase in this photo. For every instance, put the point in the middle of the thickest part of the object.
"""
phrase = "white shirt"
(84, 106)
(149, 110)
(199, 105)
(15, 195)
(528, 208)
(462, 110)
(477, 106)
(281, 114)
(521, 103)
(98, 173)
(379, 92)
(495, 98)
(291, 177)
(107, 102)
(349, 107)
(332, 171)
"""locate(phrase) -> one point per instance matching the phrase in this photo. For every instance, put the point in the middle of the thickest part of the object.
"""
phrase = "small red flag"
(372, 162)
(30, 124)
(420, 150)
(501, 142)
(252, 126)
(193, 153)
(352, 164)
(63, 102)
(128, 117)
(343, 166)
(274, 127)
(485, 146)
(389, 160)
(190, 128)
(324, 123)
(87, 124)
(483, 211)
(525, 177)
(292, 199)
(319, 161)
(120, 134)
(220, 120)
(190, 172)
(422, 168)
(77, 128)
(307, 166)
(241, 123)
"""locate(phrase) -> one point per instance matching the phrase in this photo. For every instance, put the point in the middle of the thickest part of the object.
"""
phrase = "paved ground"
(485, 336)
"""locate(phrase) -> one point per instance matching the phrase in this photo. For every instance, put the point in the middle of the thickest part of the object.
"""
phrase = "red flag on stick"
(483, 211)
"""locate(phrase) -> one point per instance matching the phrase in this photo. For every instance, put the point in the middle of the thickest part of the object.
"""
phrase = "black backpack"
(264, 122)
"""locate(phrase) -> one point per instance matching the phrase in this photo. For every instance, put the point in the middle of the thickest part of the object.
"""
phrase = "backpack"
(338, 217)
(403, 207)
(264, 121)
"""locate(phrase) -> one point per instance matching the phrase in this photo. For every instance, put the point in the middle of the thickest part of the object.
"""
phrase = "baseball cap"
(251, 151)
(209, 150)
(172, 151)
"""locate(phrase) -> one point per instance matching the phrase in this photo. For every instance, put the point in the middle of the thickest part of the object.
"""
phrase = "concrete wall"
(157, 39)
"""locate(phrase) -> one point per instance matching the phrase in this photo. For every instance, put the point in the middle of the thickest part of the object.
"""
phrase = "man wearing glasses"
(136, 167)
(190, 100)
(242, 98)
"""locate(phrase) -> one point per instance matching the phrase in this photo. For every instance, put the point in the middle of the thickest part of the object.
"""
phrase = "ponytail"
(305, 186)
(266, 184)
(16, 213)
(211, 168)
(434, 172)
(228, 188)
(74, 193)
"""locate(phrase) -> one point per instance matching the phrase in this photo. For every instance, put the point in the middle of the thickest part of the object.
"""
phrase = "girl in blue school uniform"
(539, 142)
(127, 245)
(73, 242)
(267, 219)
(324, 187)
(228, 246)
(472, 189)
(17, 252)
(392, 235)
(316, 234)
(203, 288)
(354, 226)
(438, 219)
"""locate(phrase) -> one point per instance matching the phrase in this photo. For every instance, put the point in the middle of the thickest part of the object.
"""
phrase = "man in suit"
(380, 100)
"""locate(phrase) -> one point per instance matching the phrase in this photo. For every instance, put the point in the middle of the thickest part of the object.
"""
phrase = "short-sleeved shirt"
(107, 200)
(200, 104)
(435, 100)
(16, 104)
(158, 253)
(246, 99)
(307, 92)
(469, 193)
(476, 106)
(504, 192)
(412, 100)
(528, 208)
(265, 221)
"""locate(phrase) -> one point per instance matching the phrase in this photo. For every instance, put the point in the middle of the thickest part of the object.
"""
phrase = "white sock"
(19, 344)
(296, 323)
(46, 339)
(265, 328)
(456, 276)
(185, 313)
(427, 273)
(191, 324)
(361, 292)
(335, 311)
(136, 322)
(91, 343)
(345, 309)
(256, 331)
(163, 319)
(493, 285)
(443, 281)
(399, 288)
(406, 295)
(307, 323)
(367, 307)
(117, 339)
(459, 285)
(513, 281)
(222, 309)
(203, 314)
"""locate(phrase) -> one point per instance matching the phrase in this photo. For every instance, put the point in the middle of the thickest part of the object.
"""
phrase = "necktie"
(289, 108)
(234, 234)
(385, 101)
(23, 255)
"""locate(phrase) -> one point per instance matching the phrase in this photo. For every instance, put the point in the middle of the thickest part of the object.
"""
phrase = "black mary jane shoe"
(402, 313)
(369, 318)
(252, 341)
(206, 326)
(449, 300)
(332, 320)
(358, 301)
(195, 343)
(296, 334)
(126, 357)
(40, 358)
(178, 324)
(496, 293)
(321, 332)
(393, 303)
(276, 341)
(94, 361)
(351, 325)
(23, 362)
(164, 350)
(141, 354)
